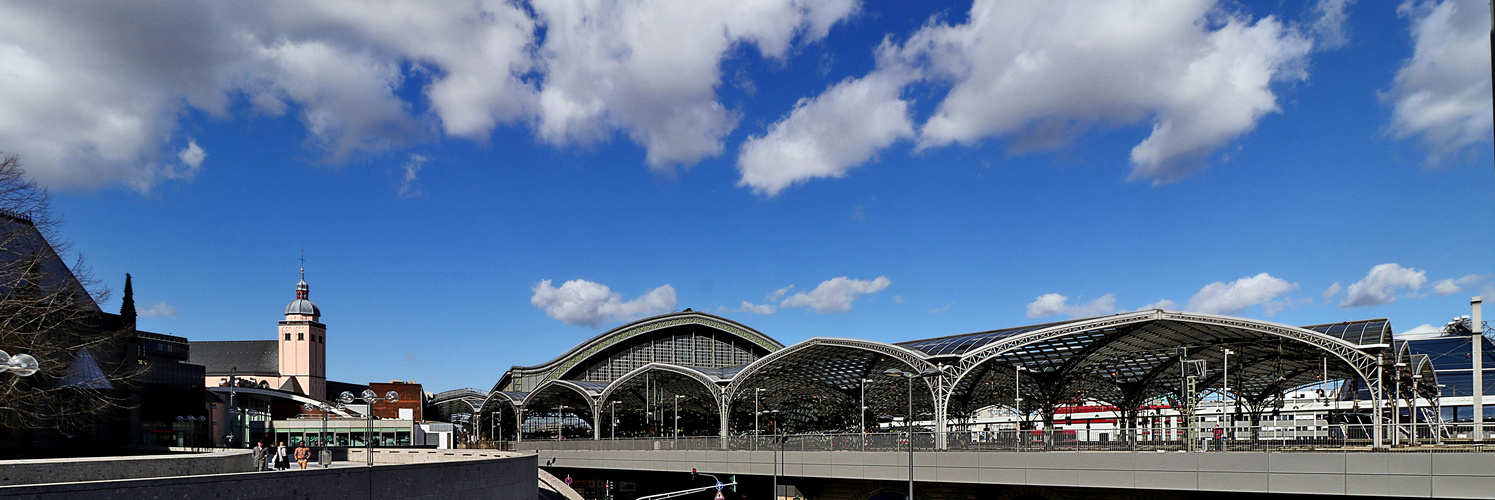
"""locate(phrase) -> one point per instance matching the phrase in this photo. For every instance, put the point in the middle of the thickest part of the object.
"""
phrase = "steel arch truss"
(819, 384)
(643, 402)
(1127, 359)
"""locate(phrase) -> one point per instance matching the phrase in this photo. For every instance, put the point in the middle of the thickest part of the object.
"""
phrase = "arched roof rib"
(582, 354)
(816, 384)
(1133, 353)
(710, 384)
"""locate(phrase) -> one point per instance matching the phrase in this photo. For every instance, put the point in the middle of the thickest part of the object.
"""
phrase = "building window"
(300, 336)
(288, 335)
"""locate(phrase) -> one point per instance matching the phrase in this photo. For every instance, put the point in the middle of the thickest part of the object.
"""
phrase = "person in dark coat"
(259, 455)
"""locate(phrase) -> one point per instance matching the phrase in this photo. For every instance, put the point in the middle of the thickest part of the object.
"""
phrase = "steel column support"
(724, 409)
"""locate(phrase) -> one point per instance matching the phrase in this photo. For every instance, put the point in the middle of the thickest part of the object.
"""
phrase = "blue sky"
(480, 185)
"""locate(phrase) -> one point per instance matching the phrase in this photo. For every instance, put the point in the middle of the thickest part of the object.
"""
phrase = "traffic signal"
(692, 473)
(733, 480)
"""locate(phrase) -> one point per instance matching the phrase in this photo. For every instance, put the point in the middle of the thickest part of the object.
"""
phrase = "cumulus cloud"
(1165, 304)
(1050, 304)
(836, 294)
(1041, 73)
(1329, 27)
(1333, 290)
(1222, 298)
(1421, 330)
(160, 310)
(1455, 285)
(651, 69)
(193, 155)
(412, 168)
(1382, 284)
(827, 135)
(92, 97)
(759, 309)
(582, 302)
(1441, 95)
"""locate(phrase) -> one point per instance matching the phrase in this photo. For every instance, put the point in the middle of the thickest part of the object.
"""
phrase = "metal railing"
(1332, 437)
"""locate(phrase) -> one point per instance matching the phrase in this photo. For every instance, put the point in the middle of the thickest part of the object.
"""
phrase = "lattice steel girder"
(1028, 347)
(803, 372)
(708, 384)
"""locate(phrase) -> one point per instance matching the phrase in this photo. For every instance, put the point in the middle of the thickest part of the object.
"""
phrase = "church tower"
(303, 346)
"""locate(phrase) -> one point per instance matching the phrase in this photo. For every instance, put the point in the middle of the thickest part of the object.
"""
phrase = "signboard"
(719, 495)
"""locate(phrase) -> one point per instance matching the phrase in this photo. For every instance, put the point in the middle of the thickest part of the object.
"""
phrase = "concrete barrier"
(63, 470)
(505, 478)
(409, 456)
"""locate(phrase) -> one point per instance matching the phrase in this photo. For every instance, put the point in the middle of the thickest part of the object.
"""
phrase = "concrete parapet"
(508, 477)
(63, 470)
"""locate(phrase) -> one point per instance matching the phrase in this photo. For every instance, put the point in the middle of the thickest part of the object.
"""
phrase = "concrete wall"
(408, 456)
(59, 470)
(505, 478)
(1439, 475)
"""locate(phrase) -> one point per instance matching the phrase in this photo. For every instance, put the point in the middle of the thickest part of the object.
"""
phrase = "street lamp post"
(909, 419)
(677, 417)
(326, 410)
(757, 433)
(191, 422)
(613, 418)
(369, 397)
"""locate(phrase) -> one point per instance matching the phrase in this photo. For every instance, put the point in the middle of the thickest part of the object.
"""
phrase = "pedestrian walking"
(1219, 436)
(282, 458)
(269, 461)
(302, 455)
(259, 456)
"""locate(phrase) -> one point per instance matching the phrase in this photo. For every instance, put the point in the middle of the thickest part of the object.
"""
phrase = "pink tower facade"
(303, 346)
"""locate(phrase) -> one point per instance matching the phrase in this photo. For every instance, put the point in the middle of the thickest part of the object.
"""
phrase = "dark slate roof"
(251, 357)
(303, 306)
(19, 241)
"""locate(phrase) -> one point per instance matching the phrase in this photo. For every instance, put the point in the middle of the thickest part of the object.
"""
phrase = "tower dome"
(302, 304)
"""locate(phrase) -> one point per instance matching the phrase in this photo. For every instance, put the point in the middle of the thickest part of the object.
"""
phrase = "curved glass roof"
(955, 345)
(1363, 332)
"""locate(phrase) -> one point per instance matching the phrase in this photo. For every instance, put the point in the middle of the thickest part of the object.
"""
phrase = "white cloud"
(1165, 304)
(581, 302)
(160, 310)
(778, 294)
(1222, 298)
(412, 170)
(1381, 285)
(1050, 304)
(1420, 331)
(836, 294)
(1441, 95)
(1329, 27)
(192, 155)
(828, 135)
(1333, 290)
(651, 69)
(759, 309)
(1040, 73)
(92, 97)
(1452, 286)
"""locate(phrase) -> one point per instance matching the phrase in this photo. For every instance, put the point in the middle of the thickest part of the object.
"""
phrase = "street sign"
(568, 479)
(719, 495)
(718, 486)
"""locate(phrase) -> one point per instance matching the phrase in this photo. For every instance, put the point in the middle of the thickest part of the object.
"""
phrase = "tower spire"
(302, 290)
(127, 306)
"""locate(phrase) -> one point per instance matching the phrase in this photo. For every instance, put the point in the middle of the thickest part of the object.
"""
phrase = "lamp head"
(392, 396)
(345, 398)
(23, 365)
(896, 373)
